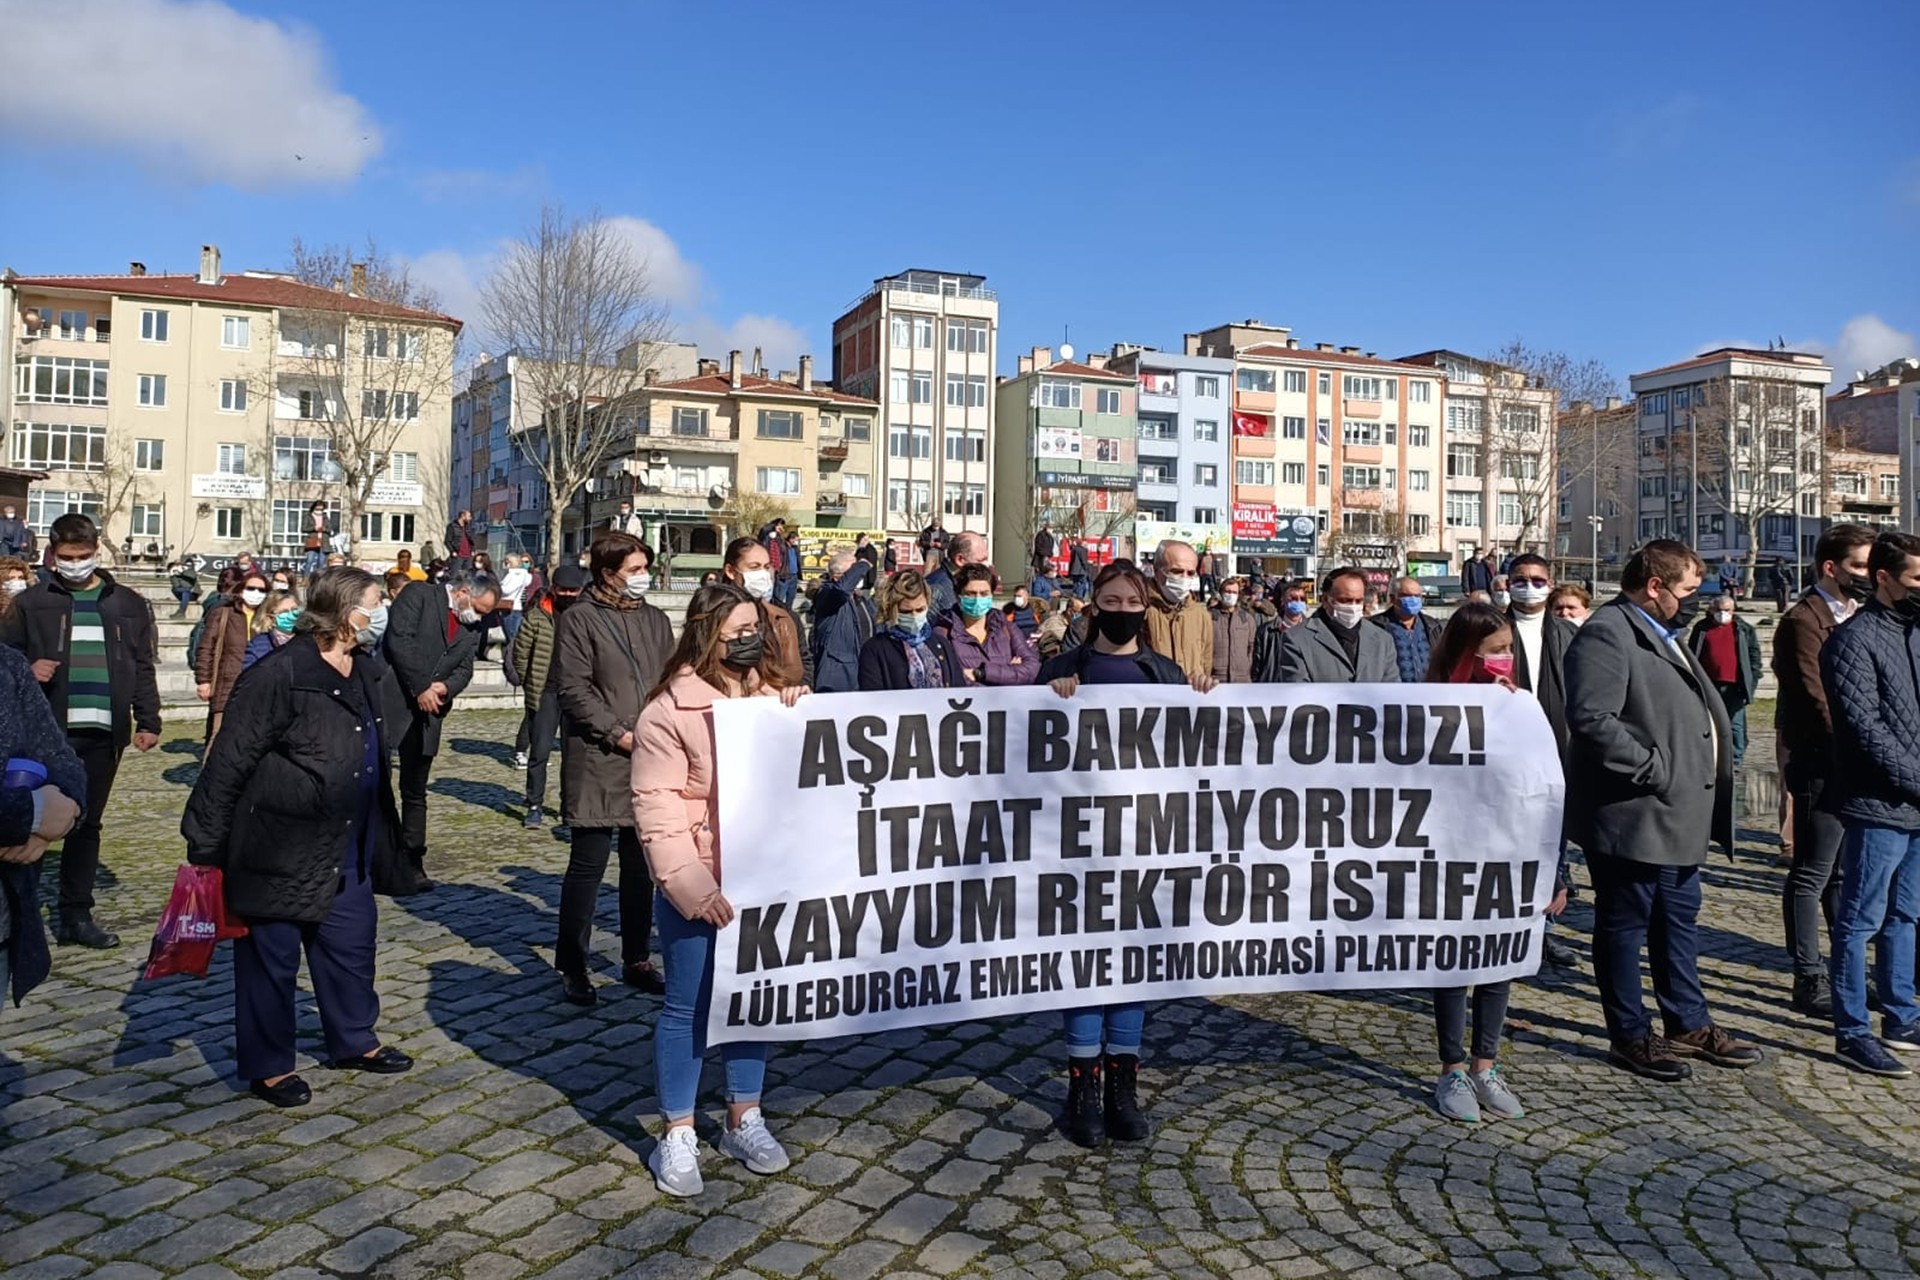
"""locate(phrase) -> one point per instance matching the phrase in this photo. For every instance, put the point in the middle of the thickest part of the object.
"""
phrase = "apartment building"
(922, 344)
(204, 413)
(1501, 488)
(1730, 456)
(1596, 474)
(495, 475)
(1067, 452)
(1336, 435)
(806, 447)
(1185, 445)
(1875, 418)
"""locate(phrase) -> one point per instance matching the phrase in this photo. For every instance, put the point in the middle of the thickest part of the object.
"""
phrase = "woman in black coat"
(907, 653)
(294, 805)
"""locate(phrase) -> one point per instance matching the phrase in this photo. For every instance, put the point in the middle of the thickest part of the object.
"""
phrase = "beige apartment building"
(204, 413)
(1596, 471)
(800, 446)
(1878, 415)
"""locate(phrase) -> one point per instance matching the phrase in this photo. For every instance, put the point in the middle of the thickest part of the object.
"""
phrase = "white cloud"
(189, 87)
(457, 276)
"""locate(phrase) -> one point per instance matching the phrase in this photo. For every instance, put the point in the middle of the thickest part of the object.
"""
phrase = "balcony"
(830, 502)
(833, 449)
(717, 439)
(1361, 408)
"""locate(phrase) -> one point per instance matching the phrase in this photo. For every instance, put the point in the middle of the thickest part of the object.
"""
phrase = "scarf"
(617, 600)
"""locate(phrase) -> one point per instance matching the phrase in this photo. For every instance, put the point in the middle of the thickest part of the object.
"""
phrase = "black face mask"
(1120, 627)
(743, 652)
(1907, 608)
(1688, 611)
(561, 603)
(1857, 587)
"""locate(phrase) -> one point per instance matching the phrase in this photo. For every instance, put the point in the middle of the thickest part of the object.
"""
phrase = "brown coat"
(223, 647)
(1184, 634)
(1803, 721)
(605, 662)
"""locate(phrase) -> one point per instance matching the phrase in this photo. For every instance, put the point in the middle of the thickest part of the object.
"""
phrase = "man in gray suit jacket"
(1649, 784)
(1332, 647)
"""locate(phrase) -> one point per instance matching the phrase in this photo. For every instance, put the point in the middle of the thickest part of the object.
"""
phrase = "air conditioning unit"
(720, 492)
(657, 459)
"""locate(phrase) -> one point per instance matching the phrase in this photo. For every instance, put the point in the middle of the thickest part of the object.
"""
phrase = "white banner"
(898, 859)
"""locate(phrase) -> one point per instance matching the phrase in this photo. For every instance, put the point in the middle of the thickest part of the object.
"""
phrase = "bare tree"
(576, 303)
(1525, 385)
(113, 483)
(746, 513)
(357, 374)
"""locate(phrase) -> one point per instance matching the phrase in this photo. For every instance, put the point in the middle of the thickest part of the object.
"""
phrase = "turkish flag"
(1251, 424)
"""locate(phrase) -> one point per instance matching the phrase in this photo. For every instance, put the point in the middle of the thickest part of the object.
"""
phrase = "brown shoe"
(1650, 1057)
(1715, 1046)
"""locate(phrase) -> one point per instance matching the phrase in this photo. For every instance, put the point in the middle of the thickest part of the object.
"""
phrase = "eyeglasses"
(1531, 582)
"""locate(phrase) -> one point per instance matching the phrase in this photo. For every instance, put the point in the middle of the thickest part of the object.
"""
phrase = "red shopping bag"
(195, 919)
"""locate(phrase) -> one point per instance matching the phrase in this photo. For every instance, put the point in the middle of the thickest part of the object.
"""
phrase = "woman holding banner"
(1475, 648)
(988, 646)
(722, 653)
(907, 653)
(1102, 1095)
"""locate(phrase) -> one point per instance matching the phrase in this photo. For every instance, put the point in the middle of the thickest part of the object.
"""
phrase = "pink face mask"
(1497, 665)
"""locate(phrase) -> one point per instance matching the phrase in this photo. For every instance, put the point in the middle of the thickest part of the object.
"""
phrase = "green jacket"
(533, 654)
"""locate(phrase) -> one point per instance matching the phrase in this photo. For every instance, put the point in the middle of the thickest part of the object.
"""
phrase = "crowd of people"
(327, 694)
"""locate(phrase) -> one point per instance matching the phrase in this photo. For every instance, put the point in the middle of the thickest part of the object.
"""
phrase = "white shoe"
(1453, 1095)
(1490, 1090)
(753, 1146)
(676, 1162)
(519, 759)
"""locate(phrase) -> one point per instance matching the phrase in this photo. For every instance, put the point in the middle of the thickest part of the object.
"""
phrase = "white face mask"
(759, 583)
(1527, 593)
(1228, 599)
(76, 570)
(254, 598)
(1347, 615)
(1502, 599)
(468, 616)
(16, 585)
(635, 586)
(1177, 589)
(376, 627)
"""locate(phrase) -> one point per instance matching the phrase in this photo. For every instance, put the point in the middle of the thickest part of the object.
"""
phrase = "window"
(1159, 429)
(407, 344)
(386, 526)
(73, 326)
(402, 468)
(1361, 522)
(1293, 428)
(53, 446)
(1509, 511)
(312, 405)
(396, 406)
(1463, 510)
(897, 387)
(1293, 473)
(900, 331)
(1419, 393)
(1253, 471)
(910, 500)
(290, 519)
(236, 332)
(145, 520)
(102, 328)
(1654, 406)
(957, 390)
(1325, 384)
(1360, 431)
(1207, 475)
(376, 341)
(1157, 472)
(1391, 478)
(1295, 381)
(907, 441)
(153, 326)
(1360, 477)
(233, 396)
(966, 446)
(304, 458)
(1463, 417)
(44, 506)
(777, 479)
(977, 391)
(232, 460)
(1419, 481)
(1253, 380)
(967, 335)
(1392, 431)
(859, 428)
(1656, 486)
(148, 455)
(921, 387)
(1463, 461)
(1059, 395)
(1520, 466)
(923, 332)
(1323, 430)
(227, 524)
(1418, 436)
(688, 421)
(1419, 525)
(1106, 400)
(857, 485)
(781, 424)
(964, 500)
(153, 390)
(1357, 387)
(1520, 420)
(1206, 386)
(1322, 475)
(1206, 429)
(1890, 487)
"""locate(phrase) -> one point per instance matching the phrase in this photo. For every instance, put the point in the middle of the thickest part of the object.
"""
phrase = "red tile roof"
(1279, 351)
(236, 290)
(1074, 369)
(719, 384)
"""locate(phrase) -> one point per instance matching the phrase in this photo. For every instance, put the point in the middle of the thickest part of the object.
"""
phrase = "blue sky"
(1627, 181)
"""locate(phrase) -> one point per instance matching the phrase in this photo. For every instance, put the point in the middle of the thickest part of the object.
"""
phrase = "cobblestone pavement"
(1294, 1135)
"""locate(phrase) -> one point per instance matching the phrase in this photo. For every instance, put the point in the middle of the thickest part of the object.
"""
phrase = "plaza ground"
(1294, 1134)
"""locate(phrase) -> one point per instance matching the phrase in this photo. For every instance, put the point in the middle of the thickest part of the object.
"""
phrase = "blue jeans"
(1119, 1026)
(314, 563)
(680, 1034)
(1879, 898)
(1639, 905)
(1734, 698)
(510, 620)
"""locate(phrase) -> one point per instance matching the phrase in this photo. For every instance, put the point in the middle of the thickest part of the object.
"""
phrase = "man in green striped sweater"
(91, 644)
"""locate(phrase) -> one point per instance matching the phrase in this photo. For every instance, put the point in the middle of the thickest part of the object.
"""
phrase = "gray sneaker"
(753, 1146)
(1490, 1088)
(1454, 1096)
(676, 1163)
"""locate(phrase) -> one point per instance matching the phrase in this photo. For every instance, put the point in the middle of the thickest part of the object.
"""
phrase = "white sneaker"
(753, 1146)
(520, 759)
(1490, 1089)
(676, 1162)
(1453, 1094)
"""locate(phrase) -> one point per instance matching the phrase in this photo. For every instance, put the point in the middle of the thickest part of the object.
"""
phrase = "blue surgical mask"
(1410, 605)
(910, 625)
(1295, 608)
(974, 608)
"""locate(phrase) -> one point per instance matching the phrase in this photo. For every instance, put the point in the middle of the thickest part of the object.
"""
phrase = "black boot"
(1125, 1121)
(1083, 1119)
(1812, 996)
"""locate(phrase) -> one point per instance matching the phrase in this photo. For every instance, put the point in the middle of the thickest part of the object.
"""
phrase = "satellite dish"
(1066, 351)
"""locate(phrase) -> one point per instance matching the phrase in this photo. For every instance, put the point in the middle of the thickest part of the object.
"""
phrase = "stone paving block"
(516, 1173)
(914, 1218)
(287, 1245)
(363, 1251)
(202, 1241)
(514, 1214)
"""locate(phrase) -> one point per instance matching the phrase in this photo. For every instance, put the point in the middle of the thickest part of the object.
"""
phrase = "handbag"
(194, 920)
(313, 542)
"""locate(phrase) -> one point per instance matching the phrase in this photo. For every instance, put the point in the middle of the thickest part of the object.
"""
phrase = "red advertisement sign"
(1253, 521)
